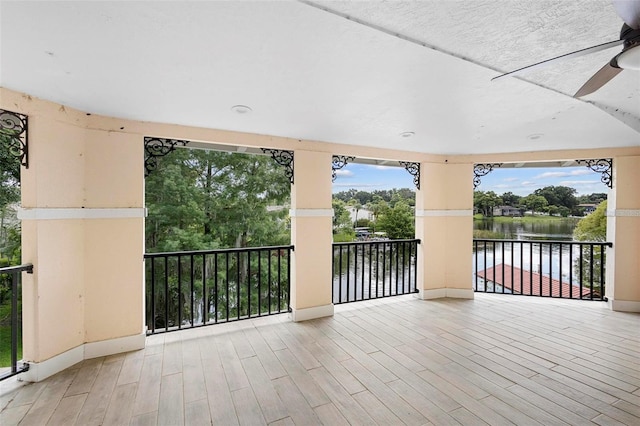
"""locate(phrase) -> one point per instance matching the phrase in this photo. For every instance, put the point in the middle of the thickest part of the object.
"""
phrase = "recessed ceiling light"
(407, 134)
(241, 109)
(535, 136)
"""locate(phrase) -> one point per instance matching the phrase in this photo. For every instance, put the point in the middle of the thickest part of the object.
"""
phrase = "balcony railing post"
(14, 274)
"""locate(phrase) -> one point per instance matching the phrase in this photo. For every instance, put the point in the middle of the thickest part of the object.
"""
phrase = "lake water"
(560, 230)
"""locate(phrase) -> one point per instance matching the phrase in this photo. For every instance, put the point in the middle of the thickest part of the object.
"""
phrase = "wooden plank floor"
(493, 360)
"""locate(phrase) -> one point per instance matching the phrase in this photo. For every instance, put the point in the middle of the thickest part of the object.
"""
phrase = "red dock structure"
(521, 281)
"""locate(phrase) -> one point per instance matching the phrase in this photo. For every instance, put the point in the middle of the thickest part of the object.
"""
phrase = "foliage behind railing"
(190, 289)
(564, 269)
(11, 320)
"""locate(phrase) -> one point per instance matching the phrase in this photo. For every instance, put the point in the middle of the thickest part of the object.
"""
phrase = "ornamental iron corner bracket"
(480, 170)
(338, 162)
(603, 166)
(13, 129)
(283, 158)
(414, 170)
(155, 148)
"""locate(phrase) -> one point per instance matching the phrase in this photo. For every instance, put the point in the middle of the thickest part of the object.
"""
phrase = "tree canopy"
(390, 196)
(535, 202)
(398, 222)
(485, 202)
(593, 227)
(208, 199)
(554, 200)
(559, 196)
(9, 195)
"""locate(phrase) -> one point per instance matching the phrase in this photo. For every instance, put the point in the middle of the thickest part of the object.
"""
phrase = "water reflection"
(519, 229)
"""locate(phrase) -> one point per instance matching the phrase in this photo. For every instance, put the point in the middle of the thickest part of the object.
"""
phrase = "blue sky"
(520, 181)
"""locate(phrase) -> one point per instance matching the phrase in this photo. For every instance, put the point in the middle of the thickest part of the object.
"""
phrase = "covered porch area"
(92, 96)
(492, 360)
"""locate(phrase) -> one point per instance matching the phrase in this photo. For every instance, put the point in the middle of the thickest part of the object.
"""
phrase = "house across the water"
(506, 211)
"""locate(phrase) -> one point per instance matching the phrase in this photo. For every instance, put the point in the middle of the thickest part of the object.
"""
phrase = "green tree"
(592, 227)
(535, 202)
(511, 199)
(558, 196)
(485, 202)
(594, 198)
(377, 207)
(355, 204)
(9, 196)
(564, 211)
(398, 222)
(208, 199)
(341, 218)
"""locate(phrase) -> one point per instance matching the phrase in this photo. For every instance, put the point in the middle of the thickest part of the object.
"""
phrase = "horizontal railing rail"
(196, 288)
(11, 320)
(366, 270)
(560, 269)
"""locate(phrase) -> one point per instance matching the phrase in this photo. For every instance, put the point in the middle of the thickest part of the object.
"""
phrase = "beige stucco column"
(444, 224)
(623, 230)
(83, 230)
(311, 220)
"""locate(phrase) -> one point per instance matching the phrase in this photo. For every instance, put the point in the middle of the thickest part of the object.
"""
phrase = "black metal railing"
(373, 269)
(196, 288)
(11, 320)
(562, 269)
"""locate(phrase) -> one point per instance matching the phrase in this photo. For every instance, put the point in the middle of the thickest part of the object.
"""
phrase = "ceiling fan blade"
(629, 11)
(575, 54)
(599, 79)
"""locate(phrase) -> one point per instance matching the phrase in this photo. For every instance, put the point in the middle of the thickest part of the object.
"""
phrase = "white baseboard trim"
(624, 305)
(297, 315)
(114, 346)
(460, 293)
(436, 293)
(39, 371)
(439, 293)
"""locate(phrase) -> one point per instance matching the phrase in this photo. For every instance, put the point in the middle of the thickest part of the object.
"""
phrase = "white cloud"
(510, 179)
(579, 172)
(384, 167)
(344, 173)
(528, 183)
(578, 182)
(358, 185)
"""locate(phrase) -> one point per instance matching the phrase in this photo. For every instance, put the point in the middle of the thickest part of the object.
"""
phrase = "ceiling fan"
(629, 58)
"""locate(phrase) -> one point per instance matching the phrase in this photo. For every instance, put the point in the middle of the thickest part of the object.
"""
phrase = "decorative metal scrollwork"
(13, 128)
(338, 162)
(155, 148)
(603, 166)
(480, 170)
(414, 170)
(284, 158)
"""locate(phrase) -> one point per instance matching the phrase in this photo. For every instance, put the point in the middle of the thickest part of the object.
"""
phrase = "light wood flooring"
(493, 360)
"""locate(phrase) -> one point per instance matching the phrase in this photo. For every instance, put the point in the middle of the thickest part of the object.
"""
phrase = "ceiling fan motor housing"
(631, 39)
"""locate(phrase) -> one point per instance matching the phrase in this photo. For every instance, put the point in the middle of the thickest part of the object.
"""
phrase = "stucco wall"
(88, 281)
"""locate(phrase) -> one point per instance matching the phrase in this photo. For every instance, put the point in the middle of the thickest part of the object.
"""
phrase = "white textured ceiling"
(312, 74)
